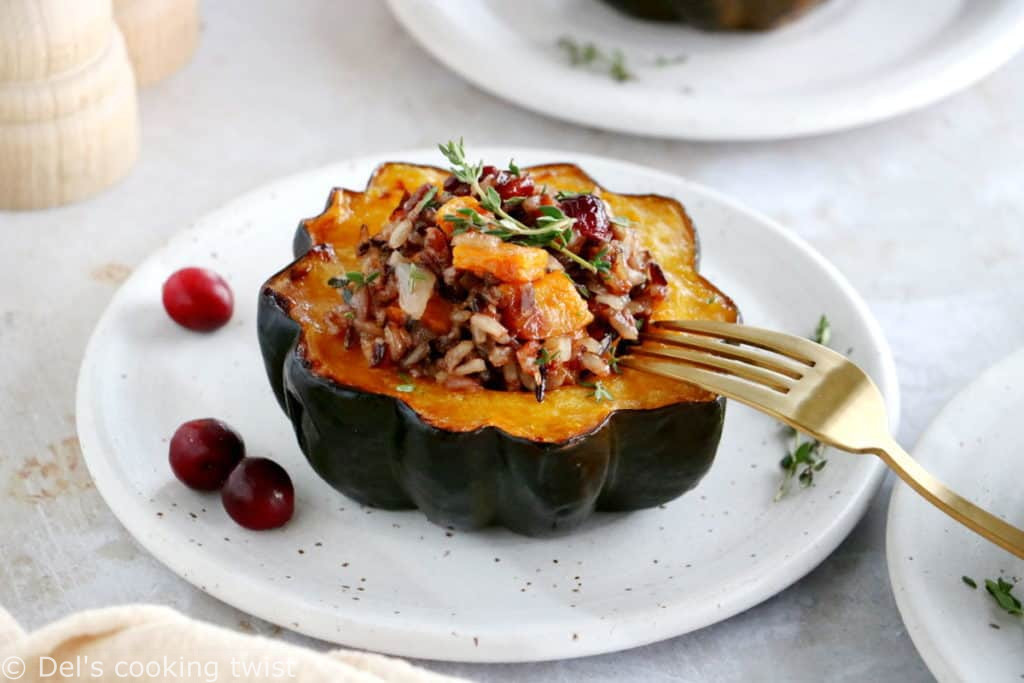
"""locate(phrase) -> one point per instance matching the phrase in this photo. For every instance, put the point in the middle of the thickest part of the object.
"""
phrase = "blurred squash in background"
(718, 15)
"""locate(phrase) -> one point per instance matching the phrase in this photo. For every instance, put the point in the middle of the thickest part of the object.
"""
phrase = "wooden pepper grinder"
(161, 35)
(68, 105)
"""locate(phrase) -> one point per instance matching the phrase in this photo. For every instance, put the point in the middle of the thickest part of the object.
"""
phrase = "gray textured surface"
(924, 214)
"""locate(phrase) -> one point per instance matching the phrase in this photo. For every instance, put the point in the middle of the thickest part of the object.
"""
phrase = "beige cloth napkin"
(157, 644)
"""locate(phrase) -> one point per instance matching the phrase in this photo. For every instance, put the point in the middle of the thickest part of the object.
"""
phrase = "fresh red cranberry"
(488, 170)
(198, 299)
(203, 453)
(509, 185)
(591, 216)
(259, 494)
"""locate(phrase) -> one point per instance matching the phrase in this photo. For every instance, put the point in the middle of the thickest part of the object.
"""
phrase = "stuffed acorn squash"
(447, 341)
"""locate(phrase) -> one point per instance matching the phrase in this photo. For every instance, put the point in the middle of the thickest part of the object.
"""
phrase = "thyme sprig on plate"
(589, 54)
(800, 463)
(1001, 592)
(804, 459)
(553, 229)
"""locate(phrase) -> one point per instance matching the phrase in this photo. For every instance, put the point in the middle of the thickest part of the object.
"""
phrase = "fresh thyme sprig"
(352, 282)
(613, 359)
(1001, 592)
(600, 392)
(553, 229)
(589, 54)
(354, 278)
(426, 200)
(546, 358)
(600, 263)
(800, 464)
(805, 457)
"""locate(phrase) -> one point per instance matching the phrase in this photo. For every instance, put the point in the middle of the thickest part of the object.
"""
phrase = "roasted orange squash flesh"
(567, 412)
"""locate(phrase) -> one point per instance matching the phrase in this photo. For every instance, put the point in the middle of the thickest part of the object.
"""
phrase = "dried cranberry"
(259, 494)
(198, 299)
(509, 185)
(456, 187)
(203, 453)
(591, 216)
(488, 170)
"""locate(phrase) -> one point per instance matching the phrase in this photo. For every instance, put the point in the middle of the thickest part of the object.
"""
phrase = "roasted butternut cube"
(487, 255)
(452, 208)
(548, 307)
(437, 315)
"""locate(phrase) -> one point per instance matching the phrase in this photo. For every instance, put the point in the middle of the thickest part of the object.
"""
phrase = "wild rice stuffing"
(493, 282)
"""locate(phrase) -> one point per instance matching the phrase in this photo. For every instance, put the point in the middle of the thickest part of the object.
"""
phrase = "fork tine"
(721, 348)
(755, 395)
(802, 350)
(733, 367)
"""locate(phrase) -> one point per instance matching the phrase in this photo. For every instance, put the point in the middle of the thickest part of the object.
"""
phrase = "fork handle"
(956, 506)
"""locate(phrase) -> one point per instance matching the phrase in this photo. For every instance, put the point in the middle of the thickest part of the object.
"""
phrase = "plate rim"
(942, 667)
(954, 76)
(365, 634)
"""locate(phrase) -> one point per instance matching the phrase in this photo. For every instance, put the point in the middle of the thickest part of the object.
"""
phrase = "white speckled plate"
(393, 582)
(975, 446)
(845, 63)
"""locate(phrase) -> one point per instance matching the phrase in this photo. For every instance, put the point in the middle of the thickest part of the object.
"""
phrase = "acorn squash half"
(469, 460)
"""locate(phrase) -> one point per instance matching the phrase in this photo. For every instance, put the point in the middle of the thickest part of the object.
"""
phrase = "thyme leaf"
(823, 332)
(1001, 592)
(600, 263)
(804, 459)
(353, 278)
(566, 194)
(600, 392)
(545, 358)
(590, 55)
(426, 200)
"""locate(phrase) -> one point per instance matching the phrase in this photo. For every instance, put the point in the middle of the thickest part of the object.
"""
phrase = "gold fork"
(807, 386)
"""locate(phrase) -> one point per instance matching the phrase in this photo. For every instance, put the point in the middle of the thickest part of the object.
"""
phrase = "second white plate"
(393, 582)
(974, 445)
(846, 63)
